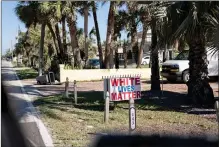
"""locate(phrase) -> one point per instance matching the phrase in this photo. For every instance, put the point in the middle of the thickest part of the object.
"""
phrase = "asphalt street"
(20, 104)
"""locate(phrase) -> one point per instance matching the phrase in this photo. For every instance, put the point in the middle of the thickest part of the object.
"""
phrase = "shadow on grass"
(93, 101)
(50, 113)
(27, 74)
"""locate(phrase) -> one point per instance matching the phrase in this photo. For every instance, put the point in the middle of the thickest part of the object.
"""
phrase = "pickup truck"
(178, 69)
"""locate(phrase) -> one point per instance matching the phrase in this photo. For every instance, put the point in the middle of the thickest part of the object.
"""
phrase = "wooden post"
(66, 87)
(75, 92)
(132, 116)
(106, 110)
(104, 88)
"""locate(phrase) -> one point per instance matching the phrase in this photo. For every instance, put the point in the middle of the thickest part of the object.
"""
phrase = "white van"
(178, 69)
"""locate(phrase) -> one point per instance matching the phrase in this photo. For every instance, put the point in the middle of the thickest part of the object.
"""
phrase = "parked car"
(145, 60)
(94, 64)
(178, 69)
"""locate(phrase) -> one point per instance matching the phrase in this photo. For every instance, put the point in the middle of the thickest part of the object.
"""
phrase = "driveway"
(20, 102)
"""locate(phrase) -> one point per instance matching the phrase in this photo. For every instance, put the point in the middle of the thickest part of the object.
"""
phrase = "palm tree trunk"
(74, 41)
(86, 33)
(198, 86)
(41, 62)
(125, 54)
(140, 53)
(98, 36)
(53, 37)
(64, 35)
(59, 41)
(110, 30)
(134, 42)
(155, 77)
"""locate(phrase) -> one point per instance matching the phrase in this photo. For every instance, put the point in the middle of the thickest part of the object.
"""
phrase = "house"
(146, 48)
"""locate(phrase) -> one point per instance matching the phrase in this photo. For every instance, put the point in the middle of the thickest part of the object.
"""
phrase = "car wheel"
(186, 76)
(38, 82)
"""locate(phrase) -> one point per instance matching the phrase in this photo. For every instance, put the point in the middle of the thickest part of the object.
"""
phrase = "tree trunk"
(155, 77)
(140, 53)
(98, 36)
(64, 35)
(41, 62)
(110, 30)
(134, 42)
(86, 33)
(59, 41)
(166, 53)
(53, 37)
(198, 86)
(74, 41)
(125, 55)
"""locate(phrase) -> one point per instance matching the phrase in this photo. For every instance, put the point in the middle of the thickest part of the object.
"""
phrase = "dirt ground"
(47, 90)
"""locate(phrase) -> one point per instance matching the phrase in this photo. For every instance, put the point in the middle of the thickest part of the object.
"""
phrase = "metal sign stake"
(132, 116)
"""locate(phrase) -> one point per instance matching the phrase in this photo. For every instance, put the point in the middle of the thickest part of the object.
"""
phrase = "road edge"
(46, 137)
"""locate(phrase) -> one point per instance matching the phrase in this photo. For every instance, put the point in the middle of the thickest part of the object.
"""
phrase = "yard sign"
(121, 89)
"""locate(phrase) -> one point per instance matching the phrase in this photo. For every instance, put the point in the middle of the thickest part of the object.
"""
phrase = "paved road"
(20, 103)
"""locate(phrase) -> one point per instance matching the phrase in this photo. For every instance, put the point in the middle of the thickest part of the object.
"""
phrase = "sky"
(10, 23)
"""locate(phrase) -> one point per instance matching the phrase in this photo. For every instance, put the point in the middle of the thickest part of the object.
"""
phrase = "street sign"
(132, 118)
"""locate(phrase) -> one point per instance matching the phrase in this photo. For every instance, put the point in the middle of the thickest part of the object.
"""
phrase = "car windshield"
(184, 55)
(94, 61)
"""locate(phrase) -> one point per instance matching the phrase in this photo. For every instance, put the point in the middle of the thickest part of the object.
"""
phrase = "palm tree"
(71, 18)
(94, 9)
(144, 19)
(193, 25)
(110, 30)
(32, 13)
(156, 13)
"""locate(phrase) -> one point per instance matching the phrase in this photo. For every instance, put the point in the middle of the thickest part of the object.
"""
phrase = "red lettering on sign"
(114, 82)
(114, 96)
(138, 94)
(129, 95)
(137, 81)
(132, 81)
(121, 82)
(133, 95)
(119, 96)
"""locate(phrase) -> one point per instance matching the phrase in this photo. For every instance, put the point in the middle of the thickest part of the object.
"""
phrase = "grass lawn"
(27, 73)
(75, 125)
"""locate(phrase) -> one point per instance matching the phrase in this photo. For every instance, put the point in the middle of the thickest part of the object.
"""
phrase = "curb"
(46, 137)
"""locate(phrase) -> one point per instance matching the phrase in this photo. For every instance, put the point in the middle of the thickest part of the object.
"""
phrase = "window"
(184, 55)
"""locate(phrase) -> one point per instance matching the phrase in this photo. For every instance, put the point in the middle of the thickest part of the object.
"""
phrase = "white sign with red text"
(121, 89)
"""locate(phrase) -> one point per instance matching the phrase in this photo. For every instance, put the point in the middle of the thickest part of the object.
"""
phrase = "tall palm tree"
(110, 30)
(193, 25)
(71, 18)
(94, 10)
(32, 13)
(144, 20)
